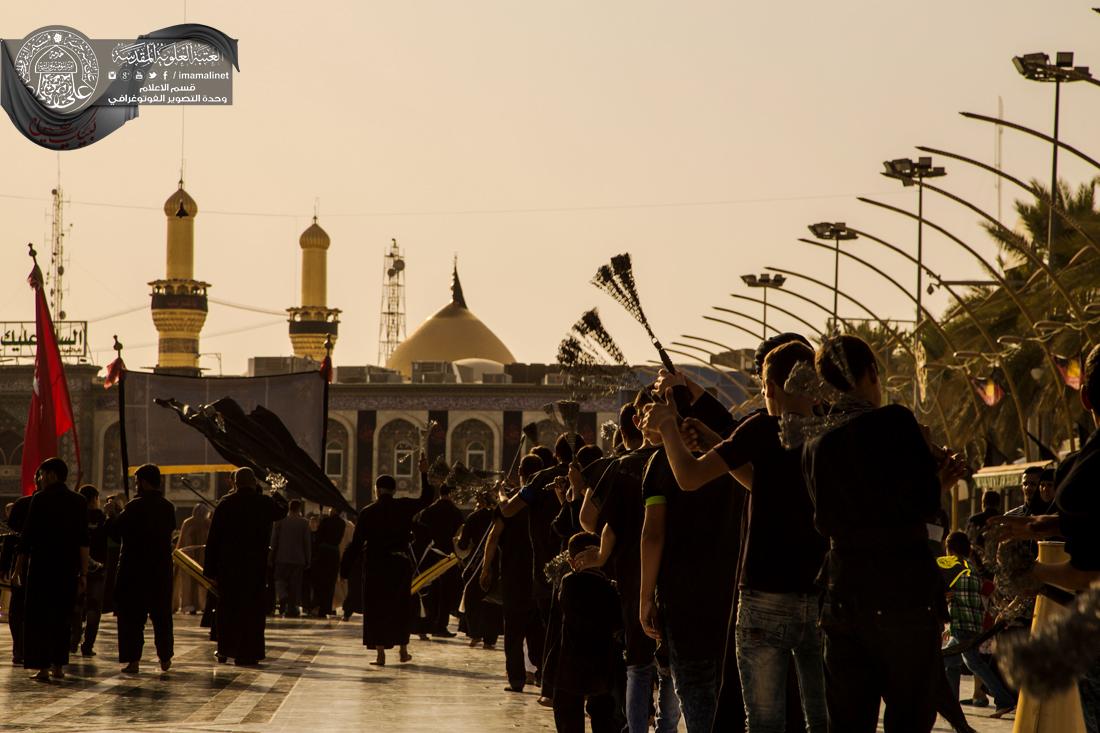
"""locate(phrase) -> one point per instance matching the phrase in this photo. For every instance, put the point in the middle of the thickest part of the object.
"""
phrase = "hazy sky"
(535, 140)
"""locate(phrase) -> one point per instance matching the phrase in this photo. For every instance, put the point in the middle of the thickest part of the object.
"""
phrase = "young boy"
(590, 617)
(965, 604)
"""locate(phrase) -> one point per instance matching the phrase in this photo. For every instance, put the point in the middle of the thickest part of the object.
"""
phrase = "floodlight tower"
(391, 322)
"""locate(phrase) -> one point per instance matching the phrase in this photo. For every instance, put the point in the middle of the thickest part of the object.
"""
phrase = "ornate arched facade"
(473, 443)
(337, 464)
(397, 443)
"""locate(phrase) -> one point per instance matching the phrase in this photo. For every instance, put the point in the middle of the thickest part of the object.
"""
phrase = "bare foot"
(380, 660)
(57, 672)
(165, 665)
(131, 668)
(42, 675)
(405, 656)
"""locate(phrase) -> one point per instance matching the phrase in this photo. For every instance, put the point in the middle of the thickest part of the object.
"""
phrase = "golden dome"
(314, 237)
(452, 334)
(180, 204)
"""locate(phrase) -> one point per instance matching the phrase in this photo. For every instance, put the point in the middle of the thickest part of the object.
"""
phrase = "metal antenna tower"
(55, 278)
(391, 322)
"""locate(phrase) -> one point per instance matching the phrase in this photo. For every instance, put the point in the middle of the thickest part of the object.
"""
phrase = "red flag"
(990, 392)
(51, 414)
(114, 372)
(326, 369)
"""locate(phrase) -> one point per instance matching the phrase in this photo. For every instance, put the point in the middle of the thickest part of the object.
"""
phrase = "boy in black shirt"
(89, 606)
(874, 481)
(587, 664)
(687, 571)
(777, 612)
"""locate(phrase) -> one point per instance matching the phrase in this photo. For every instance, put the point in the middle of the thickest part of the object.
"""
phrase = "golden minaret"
(179, 301)
(313, 322)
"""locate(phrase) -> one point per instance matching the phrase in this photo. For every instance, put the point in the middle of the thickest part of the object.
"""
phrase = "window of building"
(475, 456)
(334, 462)
(403, 454)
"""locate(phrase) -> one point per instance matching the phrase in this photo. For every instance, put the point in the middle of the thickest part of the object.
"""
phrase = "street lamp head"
(765, 280)
(911, 171)
(1037, 67)
(832, 230)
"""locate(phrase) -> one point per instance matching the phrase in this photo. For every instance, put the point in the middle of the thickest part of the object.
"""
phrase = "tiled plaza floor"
(316, 679)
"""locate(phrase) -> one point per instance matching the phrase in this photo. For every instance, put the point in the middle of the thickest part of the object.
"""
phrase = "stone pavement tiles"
(316, 678)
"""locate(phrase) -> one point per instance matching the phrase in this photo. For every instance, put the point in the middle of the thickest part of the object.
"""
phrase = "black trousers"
(551, 648)
(16, 615)
(86, 615)
(521, 623)
(569, 709)
(131, 629)
(442, 601)
(892, 657)
(322, 574)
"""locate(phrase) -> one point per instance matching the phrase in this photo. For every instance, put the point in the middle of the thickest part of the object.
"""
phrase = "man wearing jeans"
(965, 606)
(778, 609)
(614, 489)
(686, 572)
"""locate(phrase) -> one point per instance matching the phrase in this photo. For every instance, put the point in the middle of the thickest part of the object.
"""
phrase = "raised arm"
(427, 493)
(691, 473)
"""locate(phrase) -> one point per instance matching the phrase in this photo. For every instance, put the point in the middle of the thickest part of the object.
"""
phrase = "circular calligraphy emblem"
(59, 65)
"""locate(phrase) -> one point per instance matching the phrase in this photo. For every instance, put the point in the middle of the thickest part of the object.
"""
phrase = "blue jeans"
(696, 681)
(772, 630)
(639, 695)
(1002, 696)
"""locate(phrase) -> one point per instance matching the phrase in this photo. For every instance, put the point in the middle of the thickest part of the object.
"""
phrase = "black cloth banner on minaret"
(61, 131)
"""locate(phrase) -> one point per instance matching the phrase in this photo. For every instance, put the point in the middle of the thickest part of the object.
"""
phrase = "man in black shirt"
(325, 565)
(89, 607)
(144, 586)
(17, 519)
(442, 519)
(1033, 505)
(509, 538)
(687, 571)
(1078, 519)
(484, 619)
(236, 559)
(874, 481)
(53, 547)
(777, 610)
(613, 508)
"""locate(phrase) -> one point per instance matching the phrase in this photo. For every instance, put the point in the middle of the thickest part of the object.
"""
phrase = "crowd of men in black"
(773, 573)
